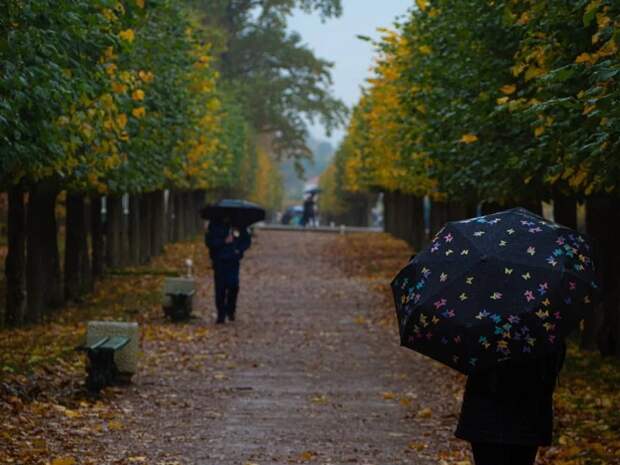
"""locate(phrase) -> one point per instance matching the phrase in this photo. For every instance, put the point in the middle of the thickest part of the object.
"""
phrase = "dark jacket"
(226, 257)
(512, 404)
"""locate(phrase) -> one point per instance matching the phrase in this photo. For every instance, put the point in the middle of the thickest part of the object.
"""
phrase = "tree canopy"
(280, 82)
(477, 99)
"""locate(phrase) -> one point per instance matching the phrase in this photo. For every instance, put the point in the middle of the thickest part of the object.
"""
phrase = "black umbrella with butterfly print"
(505, 286)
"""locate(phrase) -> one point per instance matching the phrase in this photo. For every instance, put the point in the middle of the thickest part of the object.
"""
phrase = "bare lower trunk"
(603, 219)
(145, 226)
(565, 211)
(157, 222)
(134, 229)
(43, 282)
(77, 283)
(113, 237)
(97, 236)
(15, 268)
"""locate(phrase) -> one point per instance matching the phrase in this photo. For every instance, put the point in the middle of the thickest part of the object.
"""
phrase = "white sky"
(336, 41)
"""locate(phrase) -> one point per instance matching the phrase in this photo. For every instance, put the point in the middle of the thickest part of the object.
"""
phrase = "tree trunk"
(88, 280)
(603, 219)
(199, 201)
(389, 212)
(439, 216)
(145, 229)
(114, 219)
(15, 268)
(417, 214)
(565, 211)
(190, 223)
(157, 223)
(134, 230)
(167, 210)
(44, 285)
(179, 233)
(76, 248)
(97, 236)
(124, 232)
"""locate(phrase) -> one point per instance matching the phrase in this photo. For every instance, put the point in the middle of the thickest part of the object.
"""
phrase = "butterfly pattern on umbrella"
(519, 282)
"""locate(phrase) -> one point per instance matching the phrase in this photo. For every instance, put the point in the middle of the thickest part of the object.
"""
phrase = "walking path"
(303, 376)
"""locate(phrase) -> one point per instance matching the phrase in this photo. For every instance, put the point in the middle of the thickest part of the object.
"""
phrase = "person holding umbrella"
(228, 238)
(495, 297)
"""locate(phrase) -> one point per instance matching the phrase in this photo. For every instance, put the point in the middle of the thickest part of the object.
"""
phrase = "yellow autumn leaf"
(422, 4)
(524, 19)
(140, 3)
(610, 48)
(119, 88)
(533, 72)
(138, 112)
(425, 413)
(125, 76)
(128, 35)
(508, 89)
(589, 109)
(502, 100)
(417, 446)
(110, 69)
(389, 396)
(115, 425)
(146, 76)
(307, 456)
(137, 95)
(109, 54)
(584, 58)
(425, 49)
(71, 413)
(64, 461)
(539, 131)
(469, 138)
(602, 20)
(579, 178)
(121, 120)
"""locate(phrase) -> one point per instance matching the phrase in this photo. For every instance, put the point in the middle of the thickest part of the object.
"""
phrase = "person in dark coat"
(308, 215)
(507, 413)
(226, 248)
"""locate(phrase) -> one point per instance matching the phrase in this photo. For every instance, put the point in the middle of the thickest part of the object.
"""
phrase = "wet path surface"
(305, 375)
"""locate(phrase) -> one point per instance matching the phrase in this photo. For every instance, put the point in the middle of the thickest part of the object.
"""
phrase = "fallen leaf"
(115, 425)
(64, 461)
(425, 413)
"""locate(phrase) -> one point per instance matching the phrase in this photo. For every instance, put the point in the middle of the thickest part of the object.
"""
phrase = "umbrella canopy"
(313, 191)
(510, 285)
(240, 212)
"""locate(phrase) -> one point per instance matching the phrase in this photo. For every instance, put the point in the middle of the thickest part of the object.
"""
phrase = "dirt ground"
(304, 375)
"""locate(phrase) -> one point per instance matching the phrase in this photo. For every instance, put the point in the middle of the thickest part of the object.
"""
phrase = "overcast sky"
(336, 41)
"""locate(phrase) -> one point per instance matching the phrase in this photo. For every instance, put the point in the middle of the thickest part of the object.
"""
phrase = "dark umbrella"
(505, 286)
(240, 212)
(313, 191)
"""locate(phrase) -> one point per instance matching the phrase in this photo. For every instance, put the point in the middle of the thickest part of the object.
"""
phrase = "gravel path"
(306, 375)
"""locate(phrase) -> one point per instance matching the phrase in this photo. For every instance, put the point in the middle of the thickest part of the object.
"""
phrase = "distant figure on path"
(507, 412)
(308, 215)
(226, 248)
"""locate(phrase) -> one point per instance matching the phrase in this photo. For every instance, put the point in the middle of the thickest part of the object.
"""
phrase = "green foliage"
(111, 95)
(49, 52)
(494, 96)
(280, 83)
